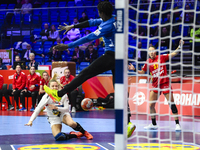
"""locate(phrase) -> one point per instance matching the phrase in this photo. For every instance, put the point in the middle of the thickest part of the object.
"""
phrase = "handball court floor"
(101, 124)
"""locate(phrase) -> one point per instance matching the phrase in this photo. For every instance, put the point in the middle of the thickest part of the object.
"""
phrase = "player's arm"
(90, 37)
(174, 53)
(85, 24)
(131, 67)
(38, 109)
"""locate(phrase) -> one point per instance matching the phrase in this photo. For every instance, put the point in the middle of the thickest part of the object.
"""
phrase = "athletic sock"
(177, 121)
(153, 121)
(79, 128)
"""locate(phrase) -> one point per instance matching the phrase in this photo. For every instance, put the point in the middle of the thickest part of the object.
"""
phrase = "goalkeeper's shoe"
(53, 94)
(130, 129)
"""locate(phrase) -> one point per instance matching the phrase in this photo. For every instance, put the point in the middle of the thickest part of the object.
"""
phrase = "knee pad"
(174, 109)
(60, 137)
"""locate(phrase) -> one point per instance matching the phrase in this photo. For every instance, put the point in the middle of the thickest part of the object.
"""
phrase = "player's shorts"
(164, 88)
(57, 120)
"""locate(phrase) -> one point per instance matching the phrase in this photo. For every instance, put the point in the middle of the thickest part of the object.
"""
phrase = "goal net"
(161, 24)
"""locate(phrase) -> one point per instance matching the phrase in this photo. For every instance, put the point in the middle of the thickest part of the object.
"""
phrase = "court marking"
(101, 146)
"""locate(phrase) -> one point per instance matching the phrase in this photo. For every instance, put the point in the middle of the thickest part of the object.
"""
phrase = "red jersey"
(19, 81)
(33, 80)
(63, 80)
(1, 82)
(154, 68)
(43, 82)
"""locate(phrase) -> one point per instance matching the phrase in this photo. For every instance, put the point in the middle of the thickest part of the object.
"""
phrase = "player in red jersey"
(66, 79)
(44, 81)
(160, 80)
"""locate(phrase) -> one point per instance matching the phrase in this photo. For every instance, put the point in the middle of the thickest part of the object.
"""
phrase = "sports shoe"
(130, 129)
(88, 135)
(32, 109)
(178, 127)
(73, 110)
(23, 109)
(151, 127)
(10, 107)
(78, 134)
(53, 94)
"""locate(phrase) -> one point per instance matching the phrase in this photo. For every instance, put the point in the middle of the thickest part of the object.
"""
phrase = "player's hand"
(66, 28)
(51, 106)
(32, 87)
(131, 67)
(30, 123)
(181, 42)
(60, 47)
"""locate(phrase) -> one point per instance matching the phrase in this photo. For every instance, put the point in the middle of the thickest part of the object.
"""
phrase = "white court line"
(111, 144)
(12, 147)
(101, 146)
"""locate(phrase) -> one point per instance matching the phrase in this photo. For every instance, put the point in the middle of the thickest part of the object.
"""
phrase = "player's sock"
(62, 136)
(177, 121)
(79, 128)
(153, 121)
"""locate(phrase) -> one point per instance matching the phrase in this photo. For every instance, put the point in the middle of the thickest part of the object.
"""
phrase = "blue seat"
(62, 4)
(46, 50)
(79, 3)
(46, 4)
(36, 31)
(17, 19)
(26, 38)
(88, 3)
(71, 3)
(54, 18)
(36, 12)
(3, 6)
(38, 50)
(36, 19)
(53, 4)
(84, 63)
(26, 18)
(45, 18)
(48, 63)
(11, 6)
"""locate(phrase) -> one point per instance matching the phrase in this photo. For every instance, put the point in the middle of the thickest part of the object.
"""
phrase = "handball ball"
(86, 104)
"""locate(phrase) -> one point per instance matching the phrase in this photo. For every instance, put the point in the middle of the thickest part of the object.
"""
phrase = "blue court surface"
(101, 124)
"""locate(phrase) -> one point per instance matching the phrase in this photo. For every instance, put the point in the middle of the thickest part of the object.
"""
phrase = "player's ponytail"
(54, 79)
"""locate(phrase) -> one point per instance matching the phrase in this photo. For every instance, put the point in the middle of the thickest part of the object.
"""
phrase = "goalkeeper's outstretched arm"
(174, 53)
(131, 67)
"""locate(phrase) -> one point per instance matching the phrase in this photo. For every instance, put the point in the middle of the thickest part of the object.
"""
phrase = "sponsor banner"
(119, 20)
(6, 56)
(186, 98)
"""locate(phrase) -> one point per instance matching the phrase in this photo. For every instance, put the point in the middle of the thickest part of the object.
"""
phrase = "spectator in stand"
(189, 16)
(166, 41)
(31, 89)
(17, 10)
(140, 55)
(154, 31)
(10, 107)
(45, 32)
(26, 8)
(37, 3)
(75, 21)
(78, 55)
(44, 81)
(32, 62)
(24, 1)
(90, 54)
(53, 34)
(19, 82)
(141, 31)
(84, 17)
(72, 35)
(2, 66)
(66, 79)
(17, 58)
